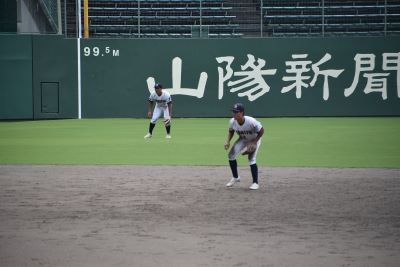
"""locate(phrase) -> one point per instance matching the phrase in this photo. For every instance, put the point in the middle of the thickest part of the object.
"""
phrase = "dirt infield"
(185, 216)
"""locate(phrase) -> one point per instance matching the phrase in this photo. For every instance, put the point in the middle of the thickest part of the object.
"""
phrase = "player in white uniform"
(163, 107)
(249, 130)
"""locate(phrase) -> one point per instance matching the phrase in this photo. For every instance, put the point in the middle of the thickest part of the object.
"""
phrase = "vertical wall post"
(59, 24)
(201, 19)
(261, 18)
(323, 18)
(78, 40)
(86, 18)
(385, 23)
(138, 14)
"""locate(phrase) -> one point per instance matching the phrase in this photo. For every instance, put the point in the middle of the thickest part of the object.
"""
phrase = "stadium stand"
(167, 18)
(332, 18)
(236, 18)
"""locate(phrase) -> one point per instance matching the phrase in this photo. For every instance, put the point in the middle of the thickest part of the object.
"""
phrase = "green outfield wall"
(271, 76)
(55, 77)
(38, 77)
(16, 77)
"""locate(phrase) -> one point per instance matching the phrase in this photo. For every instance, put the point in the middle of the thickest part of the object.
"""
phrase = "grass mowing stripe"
(308, 142)
(336, 142)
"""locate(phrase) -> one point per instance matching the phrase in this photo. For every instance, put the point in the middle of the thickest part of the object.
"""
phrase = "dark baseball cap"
(238, 107)
(158, 86)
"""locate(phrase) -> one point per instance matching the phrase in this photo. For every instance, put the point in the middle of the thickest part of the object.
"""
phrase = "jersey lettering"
(162, 100)
(248, 130)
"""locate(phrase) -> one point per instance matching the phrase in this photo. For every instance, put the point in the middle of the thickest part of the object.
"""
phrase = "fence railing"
(52, 10)
(224, 18)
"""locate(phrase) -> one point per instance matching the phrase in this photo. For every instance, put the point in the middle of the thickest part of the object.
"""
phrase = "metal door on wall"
(50, 101)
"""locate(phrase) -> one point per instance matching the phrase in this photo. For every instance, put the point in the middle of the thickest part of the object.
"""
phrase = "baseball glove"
(249, 148)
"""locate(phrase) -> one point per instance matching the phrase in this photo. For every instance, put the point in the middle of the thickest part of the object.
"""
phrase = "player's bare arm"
(150, 109)
(259, 135)
(170, 109)
(228, 139)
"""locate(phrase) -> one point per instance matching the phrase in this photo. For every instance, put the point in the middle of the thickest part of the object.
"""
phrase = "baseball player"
(163, 107)
(250, 132)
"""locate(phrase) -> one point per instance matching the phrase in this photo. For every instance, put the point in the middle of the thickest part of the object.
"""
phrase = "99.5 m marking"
(96, 51)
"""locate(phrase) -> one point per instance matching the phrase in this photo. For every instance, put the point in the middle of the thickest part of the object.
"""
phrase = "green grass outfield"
(309, 142)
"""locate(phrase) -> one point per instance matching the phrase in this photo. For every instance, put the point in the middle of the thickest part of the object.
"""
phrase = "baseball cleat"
(168, 136)
(254, 186)
(149, 135)
(233, 181)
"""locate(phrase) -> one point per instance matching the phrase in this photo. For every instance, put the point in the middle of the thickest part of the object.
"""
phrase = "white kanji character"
(391, 61)
(364, 62)
(176, 88)
(229, 72)
(252, 74)
(376, 84)
(297, 68)
(325, 73)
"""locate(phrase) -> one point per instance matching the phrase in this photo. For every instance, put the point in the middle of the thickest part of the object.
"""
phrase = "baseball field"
(288, 142)
(94, 192)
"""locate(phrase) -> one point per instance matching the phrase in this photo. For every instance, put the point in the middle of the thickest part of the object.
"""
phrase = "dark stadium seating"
(165, 18)
(238, 18)
(332, 18)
